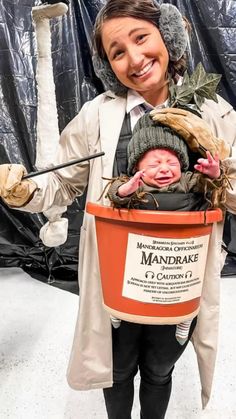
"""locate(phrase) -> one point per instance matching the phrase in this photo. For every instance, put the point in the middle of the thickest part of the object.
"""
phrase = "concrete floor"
(36, 330)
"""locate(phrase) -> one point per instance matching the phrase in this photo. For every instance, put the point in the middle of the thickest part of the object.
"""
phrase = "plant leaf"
(185, 81)
(172, 94)
(195, 88)
(204, 84)
(198, 100)
(184, 96)
(183, 93)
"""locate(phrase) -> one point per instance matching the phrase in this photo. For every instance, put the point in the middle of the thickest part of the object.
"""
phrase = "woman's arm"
(55, 188)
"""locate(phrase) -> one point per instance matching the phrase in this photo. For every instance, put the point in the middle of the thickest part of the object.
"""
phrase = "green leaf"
(185, 81)
(205, 84)
(172, 94)
(182, 94)
(194, 88)
(198, 100)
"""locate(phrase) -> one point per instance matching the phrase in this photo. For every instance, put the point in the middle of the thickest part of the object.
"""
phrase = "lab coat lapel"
(111, 116)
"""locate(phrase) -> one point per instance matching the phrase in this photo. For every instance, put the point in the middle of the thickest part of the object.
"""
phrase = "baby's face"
(162, 167)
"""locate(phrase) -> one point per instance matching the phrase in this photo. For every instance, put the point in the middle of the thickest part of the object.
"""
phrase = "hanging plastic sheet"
(214, 33)
(71, 41)
(213, 39)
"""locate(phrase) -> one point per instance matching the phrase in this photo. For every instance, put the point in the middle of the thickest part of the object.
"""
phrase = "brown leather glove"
(194, 130)
(13, 191)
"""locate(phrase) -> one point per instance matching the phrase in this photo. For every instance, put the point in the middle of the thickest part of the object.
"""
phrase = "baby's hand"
(132, 185)
(209, 166)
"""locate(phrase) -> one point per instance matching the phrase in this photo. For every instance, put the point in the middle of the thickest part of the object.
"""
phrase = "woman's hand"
(13, 190)
(132, 185)
(209, 166)
(194, 130)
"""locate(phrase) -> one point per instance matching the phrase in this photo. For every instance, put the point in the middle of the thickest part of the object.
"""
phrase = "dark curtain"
(213, 37)
(214, 32)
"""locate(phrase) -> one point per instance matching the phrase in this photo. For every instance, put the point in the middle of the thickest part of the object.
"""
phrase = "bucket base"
(134, 318)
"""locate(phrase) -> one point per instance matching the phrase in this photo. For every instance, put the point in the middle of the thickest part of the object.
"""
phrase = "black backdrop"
(213, 43)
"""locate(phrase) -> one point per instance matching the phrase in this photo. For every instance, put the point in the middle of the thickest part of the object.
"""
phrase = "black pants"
(152, 349)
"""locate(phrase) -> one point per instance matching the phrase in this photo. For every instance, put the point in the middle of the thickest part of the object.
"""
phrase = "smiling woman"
(143, 24)
(138, 56)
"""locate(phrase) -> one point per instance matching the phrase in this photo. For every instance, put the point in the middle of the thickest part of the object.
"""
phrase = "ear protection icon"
(149, 275)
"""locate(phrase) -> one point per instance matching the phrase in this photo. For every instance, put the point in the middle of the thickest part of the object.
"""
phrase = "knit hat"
(148, 135)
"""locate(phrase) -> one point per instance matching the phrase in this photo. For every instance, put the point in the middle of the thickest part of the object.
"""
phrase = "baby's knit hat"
(148, 135)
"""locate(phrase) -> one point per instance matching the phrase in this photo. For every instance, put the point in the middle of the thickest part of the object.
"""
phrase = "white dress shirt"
(134, 100)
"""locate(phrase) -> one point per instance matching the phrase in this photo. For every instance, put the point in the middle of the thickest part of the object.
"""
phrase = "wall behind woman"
(212, 43)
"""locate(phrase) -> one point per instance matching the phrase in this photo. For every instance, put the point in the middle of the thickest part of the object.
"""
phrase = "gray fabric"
(120, 161)
(173, 32)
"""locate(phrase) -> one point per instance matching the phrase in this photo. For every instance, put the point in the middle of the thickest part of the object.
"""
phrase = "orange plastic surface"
(113, 227)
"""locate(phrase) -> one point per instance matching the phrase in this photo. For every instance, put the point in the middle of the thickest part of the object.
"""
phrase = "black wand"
(61, 166)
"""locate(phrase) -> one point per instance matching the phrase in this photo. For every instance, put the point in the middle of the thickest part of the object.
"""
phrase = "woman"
(139, 46)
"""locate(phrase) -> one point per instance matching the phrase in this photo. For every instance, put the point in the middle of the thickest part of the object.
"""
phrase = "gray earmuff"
(173, 31)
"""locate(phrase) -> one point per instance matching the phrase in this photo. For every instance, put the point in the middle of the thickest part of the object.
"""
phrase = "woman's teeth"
(144, 70)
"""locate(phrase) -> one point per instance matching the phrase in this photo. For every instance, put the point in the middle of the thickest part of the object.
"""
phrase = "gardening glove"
(13, 191)
(194, 130)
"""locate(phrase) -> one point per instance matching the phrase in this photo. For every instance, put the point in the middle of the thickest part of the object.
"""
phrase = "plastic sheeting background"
(213, 43)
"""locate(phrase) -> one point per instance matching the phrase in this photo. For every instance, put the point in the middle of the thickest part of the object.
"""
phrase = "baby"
(161, 167)
(158, 161)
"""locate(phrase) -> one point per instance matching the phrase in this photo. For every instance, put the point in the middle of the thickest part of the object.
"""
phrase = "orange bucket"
(152, 263)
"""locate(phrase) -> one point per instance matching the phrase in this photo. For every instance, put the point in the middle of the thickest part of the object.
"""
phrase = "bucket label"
(164, 270)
